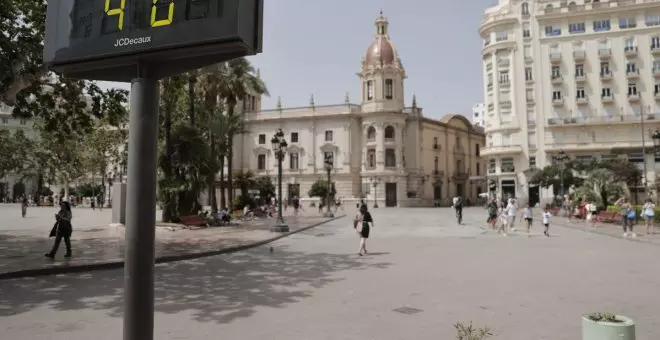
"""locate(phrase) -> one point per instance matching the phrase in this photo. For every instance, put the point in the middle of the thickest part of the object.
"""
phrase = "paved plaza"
(96, 243)
(423, 274)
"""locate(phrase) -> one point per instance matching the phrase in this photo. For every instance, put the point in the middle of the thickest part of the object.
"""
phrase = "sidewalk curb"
(162, 259)
(597, 232)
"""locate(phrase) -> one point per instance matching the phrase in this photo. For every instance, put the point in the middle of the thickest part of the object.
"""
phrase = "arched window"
(524, 8)
(389, 132)
(371, 134)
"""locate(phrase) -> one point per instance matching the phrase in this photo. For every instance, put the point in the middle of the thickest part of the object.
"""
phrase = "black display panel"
(107, 39)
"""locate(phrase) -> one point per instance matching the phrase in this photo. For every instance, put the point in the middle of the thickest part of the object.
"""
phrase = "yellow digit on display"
(116, 11)
(162, 22)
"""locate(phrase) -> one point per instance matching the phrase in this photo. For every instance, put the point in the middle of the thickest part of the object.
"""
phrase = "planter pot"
(592, 330)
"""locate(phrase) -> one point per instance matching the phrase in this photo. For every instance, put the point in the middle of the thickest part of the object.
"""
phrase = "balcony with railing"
(580, 77)
(508, 168)
(556, 79)
(607, 98)
(656, 71)
(507, 149)
(633, 97)
(604, 53)
(602, 120)
(655, 49)
(460, 175)
(632, 73)
(557, 102)
(630, 51)
(555, 57)
(605, 75)
(579, 55)
(581, 100)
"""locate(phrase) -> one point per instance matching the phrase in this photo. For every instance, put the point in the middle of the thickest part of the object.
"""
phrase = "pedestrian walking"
(648, 212)
(545, 219)
(492, 213)
(503, 219)
(591, 208)
(62, 230)
(526, 214)
(363, 223)
(511, 209)
(24, 206)
(627, 216)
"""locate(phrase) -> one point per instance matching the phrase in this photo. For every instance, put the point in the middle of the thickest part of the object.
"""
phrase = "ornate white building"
(380, 149)
(582, 77)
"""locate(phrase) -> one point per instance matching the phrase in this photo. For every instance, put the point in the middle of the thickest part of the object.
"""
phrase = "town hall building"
(380, 149)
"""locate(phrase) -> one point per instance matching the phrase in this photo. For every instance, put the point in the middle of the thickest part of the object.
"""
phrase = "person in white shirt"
(511, 210)
(591, 213)
(527, 216)
(546, 221)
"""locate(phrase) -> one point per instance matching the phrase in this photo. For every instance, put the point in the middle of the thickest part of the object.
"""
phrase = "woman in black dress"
(366, 223)
(63, 230)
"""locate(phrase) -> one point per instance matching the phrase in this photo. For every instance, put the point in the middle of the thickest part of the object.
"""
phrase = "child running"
(504, 221)
(546, 222)
(527, 215)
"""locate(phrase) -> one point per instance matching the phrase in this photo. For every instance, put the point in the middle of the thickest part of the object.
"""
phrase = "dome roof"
(381, 52)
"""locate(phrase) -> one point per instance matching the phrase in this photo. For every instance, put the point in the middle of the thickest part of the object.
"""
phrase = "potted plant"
(469, 332)
(607, 326)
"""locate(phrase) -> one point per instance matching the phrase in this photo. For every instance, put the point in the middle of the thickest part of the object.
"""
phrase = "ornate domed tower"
(382, 73)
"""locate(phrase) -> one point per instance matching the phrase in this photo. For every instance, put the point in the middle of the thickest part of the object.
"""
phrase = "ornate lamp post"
(561, 159)
(656, 141)
(328, 168)
(279, 148)
(111, 180)
(375, 181)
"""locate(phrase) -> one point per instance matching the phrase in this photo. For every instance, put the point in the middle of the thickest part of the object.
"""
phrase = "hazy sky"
(316, 47)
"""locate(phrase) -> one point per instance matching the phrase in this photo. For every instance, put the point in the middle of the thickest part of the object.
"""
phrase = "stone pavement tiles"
(314, 286)
(22, 252)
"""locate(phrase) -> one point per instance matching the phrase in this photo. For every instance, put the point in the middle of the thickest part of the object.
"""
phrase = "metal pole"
(141, 211)
(561, 179)
(643, 154)
(328, 213)
(279, 226)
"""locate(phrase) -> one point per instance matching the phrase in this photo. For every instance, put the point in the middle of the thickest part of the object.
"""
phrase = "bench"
(193, 221)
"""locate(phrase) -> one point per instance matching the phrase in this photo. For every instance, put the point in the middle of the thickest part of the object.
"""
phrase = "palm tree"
(238, 81)
(171, 91)
(223, 128)
(244, 180)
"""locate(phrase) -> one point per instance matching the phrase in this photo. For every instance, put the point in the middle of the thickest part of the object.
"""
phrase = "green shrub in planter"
(607, 326)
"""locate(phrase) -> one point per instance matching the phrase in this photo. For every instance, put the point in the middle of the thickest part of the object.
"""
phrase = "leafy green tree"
(265, 186)
(191, 163)
(22, 23)
(224, 127)
(320, 189)
(171, 104)
(238, 81)
(8, 152)
(550, 175)
(245, 181)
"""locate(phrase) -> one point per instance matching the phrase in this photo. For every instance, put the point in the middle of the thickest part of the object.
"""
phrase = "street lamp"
(111, 180)
(375, 181)
(328, 168)
(656, 141)
(279, 148)
(561, 158)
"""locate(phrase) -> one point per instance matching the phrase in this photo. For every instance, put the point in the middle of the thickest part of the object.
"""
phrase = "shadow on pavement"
(217, 289)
